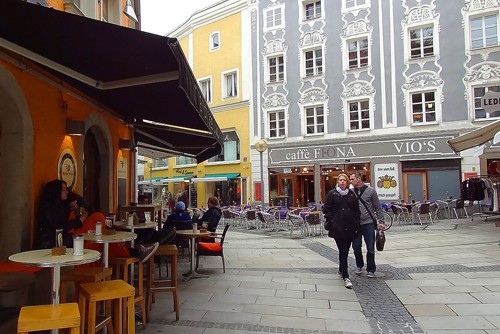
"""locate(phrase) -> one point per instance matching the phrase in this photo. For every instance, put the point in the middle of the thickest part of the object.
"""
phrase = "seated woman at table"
(82, 211)
(53, 214)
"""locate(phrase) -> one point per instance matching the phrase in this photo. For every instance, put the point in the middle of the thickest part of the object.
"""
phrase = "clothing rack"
(495, 198)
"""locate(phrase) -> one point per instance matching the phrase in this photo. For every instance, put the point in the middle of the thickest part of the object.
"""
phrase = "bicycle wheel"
(388, 220)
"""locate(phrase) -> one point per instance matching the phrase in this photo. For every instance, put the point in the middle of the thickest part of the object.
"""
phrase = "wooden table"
(107, 239)
(44, 258)
(140, 209)
(192, 238)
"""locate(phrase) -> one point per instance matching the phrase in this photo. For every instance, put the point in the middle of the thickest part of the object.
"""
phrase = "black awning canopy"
(139, 76)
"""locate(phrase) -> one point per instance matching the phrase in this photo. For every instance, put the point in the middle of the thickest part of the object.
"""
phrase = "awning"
(215, 177)
(155, 181)
(475, 138)
(178, 178)
(139, 77)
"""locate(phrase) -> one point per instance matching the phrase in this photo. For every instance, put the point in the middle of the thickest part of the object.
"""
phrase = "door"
(415, 186)
(285, 191)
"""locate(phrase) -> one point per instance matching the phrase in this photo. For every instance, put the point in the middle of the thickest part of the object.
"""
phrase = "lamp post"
(261, 146)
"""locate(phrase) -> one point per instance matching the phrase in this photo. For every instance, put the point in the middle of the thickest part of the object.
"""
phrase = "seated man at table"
(180, 219)
(82, 211)
(212, 215)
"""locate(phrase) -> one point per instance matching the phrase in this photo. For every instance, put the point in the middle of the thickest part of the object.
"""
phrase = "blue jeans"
(367, 232)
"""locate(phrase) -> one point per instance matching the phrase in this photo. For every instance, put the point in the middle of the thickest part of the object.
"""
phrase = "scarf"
(342, 192)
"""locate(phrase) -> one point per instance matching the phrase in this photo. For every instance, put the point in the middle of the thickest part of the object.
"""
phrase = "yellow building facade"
(212, 42)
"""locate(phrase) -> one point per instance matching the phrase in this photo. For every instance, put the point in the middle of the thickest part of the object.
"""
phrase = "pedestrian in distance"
(372, 218)
(342, 216)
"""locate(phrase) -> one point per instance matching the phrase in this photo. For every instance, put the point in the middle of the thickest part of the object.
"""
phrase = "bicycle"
(388, 220)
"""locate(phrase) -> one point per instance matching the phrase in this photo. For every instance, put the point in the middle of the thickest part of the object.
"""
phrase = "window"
(359, 115)
(182, 160)
(354, 3)
(276, 69)
(315, 120)
(421, 42)
(206, 89)
(230, 85)
(484, 31)
(313, 62)
(479, 112)
(312, 10)
(276, 124)
(358, 53)
(163, 162)
(423, 107)
(214, 41)
(273, 18)
(230, 150)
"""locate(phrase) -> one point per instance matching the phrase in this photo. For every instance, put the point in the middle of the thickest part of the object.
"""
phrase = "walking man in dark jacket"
(368, 200)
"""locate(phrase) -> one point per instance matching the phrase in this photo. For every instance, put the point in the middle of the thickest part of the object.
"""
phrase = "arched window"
(214, 41)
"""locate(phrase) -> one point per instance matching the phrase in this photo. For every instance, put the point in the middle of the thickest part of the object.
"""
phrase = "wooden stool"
(82, 275)
(115, 290)
(122, 267)
(169, 285)
(45, 317)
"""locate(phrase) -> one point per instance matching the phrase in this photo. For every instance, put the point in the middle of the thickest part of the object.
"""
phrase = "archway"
(16, 163)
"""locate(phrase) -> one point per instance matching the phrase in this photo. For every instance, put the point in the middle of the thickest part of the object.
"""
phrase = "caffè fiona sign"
(426, 147)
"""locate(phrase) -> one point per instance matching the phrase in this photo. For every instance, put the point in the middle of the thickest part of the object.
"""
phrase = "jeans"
(367, 232)
(343, 246)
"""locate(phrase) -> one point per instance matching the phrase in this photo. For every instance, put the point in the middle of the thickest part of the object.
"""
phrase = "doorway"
(96, 178)
(414, 186)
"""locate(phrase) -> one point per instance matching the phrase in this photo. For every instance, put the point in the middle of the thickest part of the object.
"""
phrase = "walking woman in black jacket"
(342, 215)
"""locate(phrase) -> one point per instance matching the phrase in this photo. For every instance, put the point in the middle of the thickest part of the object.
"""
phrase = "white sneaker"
(370, 274)
(347, 283)
(358, 271)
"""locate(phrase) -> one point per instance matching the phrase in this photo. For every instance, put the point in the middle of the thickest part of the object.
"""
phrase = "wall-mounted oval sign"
(66, 168)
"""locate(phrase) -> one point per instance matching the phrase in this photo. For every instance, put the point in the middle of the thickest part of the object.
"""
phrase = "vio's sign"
(490, 102)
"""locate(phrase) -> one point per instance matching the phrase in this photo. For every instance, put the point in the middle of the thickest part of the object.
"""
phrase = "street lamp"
(261, 146)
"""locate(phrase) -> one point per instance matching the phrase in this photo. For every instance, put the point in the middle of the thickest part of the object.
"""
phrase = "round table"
(44, 258)
(132, 228)
(107, 239)
(192, 236)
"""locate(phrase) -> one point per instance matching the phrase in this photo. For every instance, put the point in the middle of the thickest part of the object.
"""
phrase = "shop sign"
(121, 168)
(426, 147)
(387, 181)
(183, 171)
(66, 168)
(490, 102)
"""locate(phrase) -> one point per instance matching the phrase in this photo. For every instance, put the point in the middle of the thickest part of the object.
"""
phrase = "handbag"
(380, 242)
(328, 225)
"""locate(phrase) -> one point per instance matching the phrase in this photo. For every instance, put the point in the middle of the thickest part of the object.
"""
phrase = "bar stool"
(82, 275)
(121, 269)
(45, 317)
(167, 285)
(107, 291)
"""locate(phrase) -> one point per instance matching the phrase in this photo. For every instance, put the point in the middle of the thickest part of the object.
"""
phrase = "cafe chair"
(154, 285)
(401, 213)
(314, 221)
(79, 275)
(296, 222)
(117, 291)
(121, 268)
(213, 248)
(46, 317)
(423, 209)
(266, 219)
(459, 204)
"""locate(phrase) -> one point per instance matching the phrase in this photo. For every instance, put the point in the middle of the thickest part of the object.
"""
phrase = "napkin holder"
(108, 232)
(57, 251)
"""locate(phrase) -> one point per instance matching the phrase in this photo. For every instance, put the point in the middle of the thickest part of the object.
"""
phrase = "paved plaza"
(436, 279)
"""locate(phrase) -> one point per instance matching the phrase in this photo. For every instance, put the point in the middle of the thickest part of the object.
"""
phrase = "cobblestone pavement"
(382, 308)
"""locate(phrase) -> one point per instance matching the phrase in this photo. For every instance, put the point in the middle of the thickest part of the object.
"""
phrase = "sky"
(162, 16)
